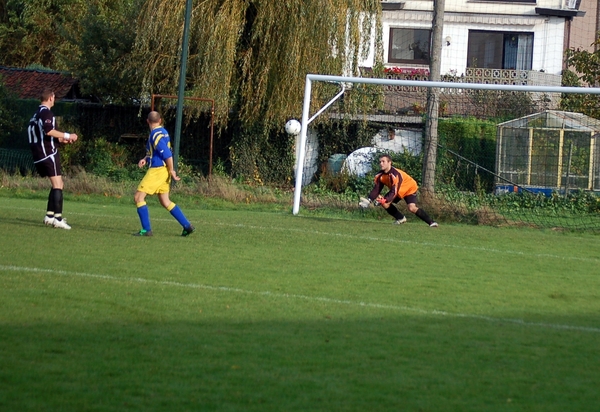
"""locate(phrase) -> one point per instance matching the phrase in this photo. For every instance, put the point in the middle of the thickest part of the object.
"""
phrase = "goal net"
(506, 154)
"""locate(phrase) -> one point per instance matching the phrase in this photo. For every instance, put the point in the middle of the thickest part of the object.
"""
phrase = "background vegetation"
(251, 58)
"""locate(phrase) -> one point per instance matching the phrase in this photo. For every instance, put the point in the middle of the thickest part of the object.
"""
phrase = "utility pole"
(433, 99)
(182, 75)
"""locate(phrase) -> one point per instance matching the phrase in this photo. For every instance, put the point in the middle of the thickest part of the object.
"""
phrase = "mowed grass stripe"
(302, 297)
(279, 252)
(292, 230)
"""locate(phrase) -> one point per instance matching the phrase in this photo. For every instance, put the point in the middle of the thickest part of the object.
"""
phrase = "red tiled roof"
(30, 83)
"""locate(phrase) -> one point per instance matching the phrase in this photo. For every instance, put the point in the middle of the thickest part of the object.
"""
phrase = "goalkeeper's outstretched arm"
(374, 194)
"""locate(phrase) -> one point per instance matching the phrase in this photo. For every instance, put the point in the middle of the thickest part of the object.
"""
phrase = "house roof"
(29, 83)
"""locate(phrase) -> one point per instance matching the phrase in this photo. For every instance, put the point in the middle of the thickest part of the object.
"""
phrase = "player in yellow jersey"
(401, 186)
(157, 180)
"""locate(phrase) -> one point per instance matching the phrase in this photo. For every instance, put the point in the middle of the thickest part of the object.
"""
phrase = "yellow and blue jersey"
(158, 147)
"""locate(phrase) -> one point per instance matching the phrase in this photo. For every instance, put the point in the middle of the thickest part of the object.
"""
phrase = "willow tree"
(252, 56)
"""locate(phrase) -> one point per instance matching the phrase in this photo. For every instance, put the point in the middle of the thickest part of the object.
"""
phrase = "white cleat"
(433, 224)
(48, 221)
(61, 224)
(400, 221)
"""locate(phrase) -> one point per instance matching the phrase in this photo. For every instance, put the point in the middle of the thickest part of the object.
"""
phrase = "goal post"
(348, 82)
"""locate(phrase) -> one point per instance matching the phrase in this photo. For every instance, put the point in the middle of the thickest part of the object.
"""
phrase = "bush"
(259, 157)
(100, 158)
(577, 202)
(504, 105)
(343, 137)
(473, 139)
(11, 122)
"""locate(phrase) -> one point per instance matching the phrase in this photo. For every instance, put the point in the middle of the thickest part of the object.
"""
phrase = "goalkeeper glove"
(364, 202)
(379, 201)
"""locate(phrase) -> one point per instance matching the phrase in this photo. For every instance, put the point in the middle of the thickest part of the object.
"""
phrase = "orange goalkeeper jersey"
(399, 183)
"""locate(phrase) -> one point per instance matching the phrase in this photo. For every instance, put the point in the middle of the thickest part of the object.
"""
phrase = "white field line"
(364, 238)
(276, 295)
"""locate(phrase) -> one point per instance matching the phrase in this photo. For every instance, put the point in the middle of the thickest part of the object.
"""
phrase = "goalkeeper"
(402, 186)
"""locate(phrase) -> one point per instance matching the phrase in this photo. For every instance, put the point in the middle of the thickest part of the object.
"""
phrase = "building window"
(409, 46)
(500, 50)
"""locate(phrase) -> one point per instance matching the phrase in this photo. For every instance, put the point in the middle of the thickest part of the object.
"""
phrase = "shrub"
(11, 122)
(259, 157)
(473, 139)
(343, 137)
(100, 158)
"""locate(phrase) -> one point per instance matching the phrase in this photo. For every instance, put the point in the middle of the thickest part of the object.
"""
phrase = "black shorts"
(49, 167)
(408, 199)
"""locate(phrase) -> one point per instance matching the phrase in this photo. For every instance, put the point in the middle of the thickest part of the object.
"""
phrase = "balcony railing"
(483, 76)
(513, 77)
(412, 99)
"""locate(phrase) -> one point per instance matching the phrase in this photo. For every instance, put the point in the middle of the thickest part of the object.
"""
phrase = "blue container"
(335, 163)
(503, 189)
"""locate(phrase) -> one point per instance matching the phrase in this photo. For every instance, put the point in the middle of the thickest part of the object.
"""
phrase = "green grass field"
(265, 311)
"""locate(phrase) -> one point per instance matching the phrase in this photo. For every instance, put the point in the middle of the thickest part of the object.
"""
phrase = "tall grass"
(82, 183)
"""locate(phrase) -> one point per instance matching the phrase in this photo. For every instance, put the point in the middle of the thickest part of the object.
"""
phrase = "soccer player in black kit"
(44, 141)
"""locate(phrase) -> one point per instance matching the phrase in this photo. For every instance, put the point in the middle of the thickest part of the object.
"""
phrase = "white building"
(482, 38)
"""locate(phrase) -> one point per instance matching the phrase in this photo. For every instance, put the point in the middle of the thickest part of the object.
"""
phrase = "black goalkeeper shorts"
(408, 199)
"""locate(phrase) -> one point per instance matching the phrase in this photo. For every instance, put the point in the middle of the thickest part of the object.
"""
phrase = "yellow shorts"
(157, 180)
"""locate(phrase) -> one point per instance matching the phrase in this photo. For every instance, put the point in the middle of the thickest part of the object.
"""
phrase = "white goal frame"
(343, 81)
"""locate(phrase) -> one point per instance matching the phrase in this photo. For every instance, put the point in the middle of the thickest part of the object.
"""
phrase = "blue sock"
(178, 214)
(144, 214)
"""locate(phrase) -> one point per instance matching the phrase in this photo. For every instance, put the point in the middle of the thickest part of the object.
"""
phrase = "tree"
(30, 32)
(433, 100)
(586, 67)
(92, 39)
(104, 40)
(252, 56)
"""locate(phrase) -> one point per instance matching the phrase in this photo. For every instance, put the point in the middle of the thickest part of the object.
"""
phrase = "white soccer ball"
(293, 126)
